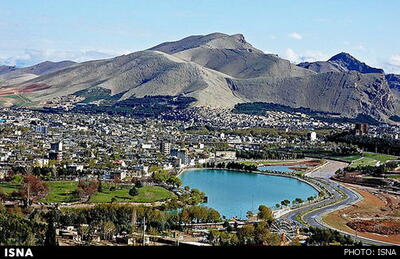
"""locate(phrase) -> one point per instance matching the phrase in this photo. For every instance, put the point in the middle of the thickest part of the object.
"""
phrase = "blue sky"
(32, 31)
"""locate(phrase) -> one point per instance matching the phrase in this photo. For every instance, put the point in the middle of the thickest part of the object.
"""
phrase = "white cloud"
(30, 57)
(392, 65)
(395, 60)
(306, 56)
(296, 36)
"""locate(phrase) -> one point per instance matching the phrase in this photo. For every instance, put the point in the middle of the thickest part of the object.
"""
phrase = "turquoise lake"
(234, 193)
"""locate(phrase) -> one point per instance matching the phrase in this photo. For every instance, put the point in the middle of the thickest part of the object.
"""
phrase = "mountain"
(13, 75)
(348, 63)
(138, 74)
(231, 55)
(393, 81)
(322, 66)
(216, 70)
(348, 94)
(6, 69)
(341, 62)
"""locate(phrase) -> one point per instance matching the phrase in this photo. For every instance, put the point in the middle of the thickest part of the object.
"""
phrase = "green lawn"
(348, 158)
(61, 191)
(364, 161)
(146, 194)
(371, 159)
(9, 187)
(380, 157)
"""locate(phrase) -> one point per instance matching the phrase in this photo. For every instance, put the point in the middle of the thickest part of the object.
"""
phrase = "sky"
(32, 31)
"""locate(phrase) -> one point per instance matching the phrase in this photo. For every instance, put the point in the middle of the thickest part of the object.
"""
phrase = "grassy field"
(9, 187)
(379, 157)
(146, 194)
(371, 159)
(364, 161)
(348, 158)
(61, 191)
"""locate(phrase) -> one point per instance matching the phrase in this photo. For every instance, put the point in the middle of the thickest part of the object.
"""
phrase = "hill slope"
(231, 55)
(137, 75)
(11, 75)
(218, 70)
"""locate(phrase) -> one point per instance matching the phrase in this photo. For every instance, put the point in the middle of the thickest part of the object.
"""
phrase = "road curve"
(336, 201)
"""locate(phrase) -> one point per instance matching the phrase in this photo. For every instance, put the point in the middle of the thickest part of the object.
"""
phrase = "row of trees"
(190, 197)
(328, 237)
(268, 154)
(251, 234)
(199, 214)
(383, 145)
(164, 177)
(129, 219)
(231, 165)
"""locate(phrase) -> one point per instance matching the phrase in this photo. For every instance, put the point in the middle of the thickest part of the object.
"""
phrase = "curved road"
(314, 218)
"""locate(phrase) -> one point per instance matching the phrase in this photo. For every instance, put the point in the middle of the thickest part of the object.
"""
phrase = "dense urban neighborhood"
(173, 128)
(69, 178)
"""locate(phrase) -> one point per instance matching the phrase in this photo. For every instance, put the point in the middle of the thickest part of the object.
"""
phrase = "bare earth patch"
(374, 217)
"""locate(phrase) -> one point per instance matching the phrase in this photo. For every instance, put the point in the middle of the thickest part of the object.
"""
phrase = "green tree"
(265, 213)
(133, 191)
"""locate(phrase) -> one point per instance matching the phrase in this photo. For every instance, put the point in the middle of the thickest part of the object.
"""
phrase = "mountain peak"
(214, 40)
(342, 55)
(344, 61)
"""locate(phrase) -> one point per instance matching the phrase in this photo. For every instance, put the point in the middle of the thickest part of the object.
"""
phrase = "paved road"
(314, 218)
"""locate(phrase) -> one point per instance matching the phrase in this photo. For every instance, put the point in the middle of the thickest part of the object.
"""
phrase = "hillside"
(11, 75)
(218, 70)
(231, 55)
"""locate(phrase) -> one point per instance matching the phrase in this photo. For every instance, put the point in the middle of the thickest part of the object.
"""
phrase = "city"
(170, 127)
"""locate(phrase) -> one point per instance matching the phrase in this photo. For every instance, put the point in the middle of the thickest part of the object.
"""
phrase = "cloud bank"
(30, 57)
(307, 56)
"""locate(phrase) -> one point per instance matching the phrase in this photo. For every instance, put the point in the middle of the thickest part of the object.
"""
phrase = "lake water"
(277, 168)
(234, 193)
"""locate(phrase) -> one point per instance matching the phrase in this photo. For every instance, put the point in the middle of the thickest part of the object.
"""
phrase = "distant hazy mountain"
(13, 75)
(6, 69)
(341, 62)
(219, 70)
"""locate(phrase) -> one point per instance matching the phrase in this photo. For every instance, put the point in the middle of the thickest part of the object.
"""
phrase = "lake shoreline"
(310, 184)
(254, 172)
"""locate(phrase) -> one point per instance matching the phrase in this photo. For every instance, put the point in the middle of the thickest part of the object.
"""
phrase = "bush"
(133, 191)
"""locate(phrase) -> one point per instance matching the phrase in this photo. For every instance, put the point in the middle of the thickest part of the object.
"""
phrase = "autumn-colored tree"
(33, 188)
(107, 229)
(87, 188)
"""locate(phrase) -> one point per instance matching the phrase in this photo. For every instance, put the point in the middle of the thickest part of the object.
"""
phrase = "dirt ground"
(376, 217)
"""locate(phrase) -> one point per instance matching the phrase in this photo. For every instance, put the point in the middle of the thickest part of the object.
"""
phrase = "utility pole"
(144, 230)
(29, 187)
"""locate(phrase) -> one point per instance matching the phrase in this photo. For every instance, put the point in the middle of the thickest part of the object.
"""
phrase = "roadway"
(336, 201)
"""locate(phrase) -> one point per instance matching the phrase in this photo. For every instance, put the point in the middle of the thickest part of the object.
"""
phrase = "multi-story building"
(165, 148)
